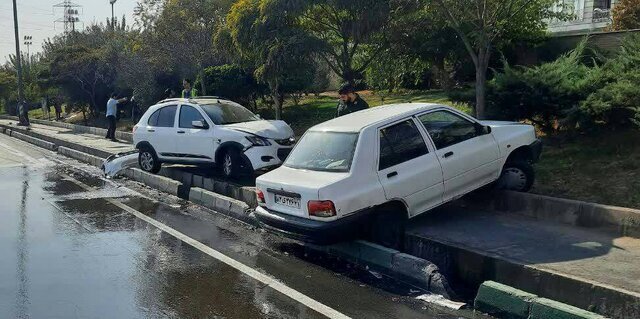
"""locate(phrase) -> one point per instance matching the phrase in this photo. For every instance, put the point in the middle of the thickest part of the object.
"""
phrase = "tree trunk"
(481, 84)
(278, 99)
(203, 85)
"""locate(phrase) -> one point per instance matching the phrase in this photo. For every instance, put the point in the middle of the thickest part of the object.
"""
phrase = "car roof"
(197, 100)
(355, 122)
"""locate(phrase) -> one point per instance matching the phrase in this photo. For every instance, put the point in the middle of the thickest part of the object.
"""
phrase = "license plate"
(287, 201)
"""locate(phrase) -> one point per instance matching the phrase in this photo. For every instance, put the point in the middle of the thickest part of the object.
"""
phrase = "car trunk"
(288, 190)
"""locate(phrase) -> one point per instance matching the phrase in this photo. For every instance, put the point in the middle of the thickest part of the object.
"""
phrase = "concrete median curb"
(420, 272)
(227, 205)
(624, 221)
(504, 301)
(83, 157)
(35, 141)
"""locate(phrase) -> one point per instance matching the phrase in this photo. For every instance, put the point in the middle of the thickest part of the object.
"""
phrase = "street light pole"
(28, 42)
(113, 20)
(18, 58)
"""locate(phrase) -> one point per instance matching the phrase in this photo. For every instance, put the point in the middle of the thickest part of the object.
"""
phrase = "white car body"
(180, 142)
(418, 184)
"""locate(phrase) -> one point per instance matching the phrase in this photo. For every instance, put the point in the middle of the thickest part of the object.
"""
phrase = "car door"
(194, 143)
(407, 169)
(161, 131)
(468, 155)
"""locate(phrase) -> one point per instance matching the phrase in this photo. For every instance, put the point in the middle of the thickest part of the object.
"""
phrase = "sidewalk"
(104, 146)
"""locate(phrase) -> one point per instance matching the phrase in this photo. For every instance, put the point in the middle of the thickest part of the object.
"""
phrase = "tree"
(626, 15)
(181, 35)
(266, 36)
(351, 33)
(484, 25)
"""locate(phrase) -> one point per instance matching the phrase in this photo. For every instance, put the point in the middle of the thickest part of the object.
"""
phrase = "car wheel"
(148, 160)
(231, 164)
(387, 229)
(517, 176)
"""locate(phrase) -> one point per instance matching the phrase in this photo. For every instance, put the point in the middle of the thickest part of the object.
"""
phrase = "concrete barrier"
(543, 308)
(420, 272)
(223, 204)
(125, 136)
(35, 141)
(504, 301)
(621, 220)
(81, 156)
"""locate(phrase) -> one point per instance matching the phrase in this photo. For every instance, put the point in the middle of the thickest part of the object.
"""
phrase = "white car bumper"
(265, 157)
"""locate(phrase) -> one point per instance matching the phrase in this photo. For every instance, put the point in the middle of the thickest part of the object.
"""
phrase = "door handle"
(180, 132)
(448, 154)
(150, 130)
(392, 174)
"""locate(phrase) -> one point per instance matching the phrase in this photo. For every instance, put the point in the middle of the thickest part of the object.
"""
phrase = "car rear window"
(324, 151)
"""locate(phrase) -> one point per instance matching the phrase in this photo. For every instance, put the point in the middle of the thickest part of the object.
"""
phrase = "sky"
(36, 18)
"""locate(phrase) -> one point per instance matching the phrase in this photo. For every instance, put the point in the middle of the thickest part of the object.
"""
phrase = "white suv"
(371, 170)
(210, 130)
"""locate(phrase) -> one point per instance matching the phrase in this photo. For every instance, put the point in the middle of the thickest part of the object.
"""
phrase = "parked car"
(372, 170)
(210, 130)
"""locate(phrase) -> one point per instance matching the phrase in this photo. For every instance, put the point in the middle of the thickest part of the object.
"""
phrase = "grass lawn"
(602, 168)
(314, 110)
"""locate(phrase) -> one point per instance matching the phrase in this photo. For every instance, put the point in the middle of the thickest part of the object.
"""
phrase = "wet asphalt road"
(73, 245)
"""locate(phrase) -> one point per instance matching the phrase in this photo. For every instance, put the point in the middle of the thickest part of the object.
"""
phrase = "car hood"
(263, 128)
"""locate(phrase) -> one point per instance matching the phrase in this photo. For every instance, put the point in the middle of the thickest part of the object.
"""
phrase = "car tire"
(148, 160)
(231, 163)
(387, 228)
(516, 176)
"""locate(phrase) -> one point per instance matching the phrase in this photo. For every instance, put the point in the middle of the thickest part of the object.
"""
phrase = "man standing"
(350, 101)
(188, 92)
(112, 110)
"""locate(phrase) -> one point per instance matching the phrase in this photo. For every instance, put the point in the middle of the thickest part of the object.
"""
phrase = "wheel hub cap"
(146, 161)
(514, 179)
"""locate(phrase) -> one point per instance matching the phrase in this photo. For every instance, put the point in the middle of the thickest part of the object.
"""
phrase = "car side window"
(446, 128)
(153, 119)
(400, 143)
(167, 116)
(189, 114)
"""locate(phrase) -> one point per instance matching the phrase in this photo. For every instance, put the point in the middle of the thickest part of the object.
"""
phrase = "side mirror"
(200, 124)
(482, 129)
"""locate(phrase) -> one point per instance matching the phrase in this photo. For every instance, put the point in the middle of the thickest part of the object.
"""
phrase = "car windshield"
(227, 113)
(324, 151)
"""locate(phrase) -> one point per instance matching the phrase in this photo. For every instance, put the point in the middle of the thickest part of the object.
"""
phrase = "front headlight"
(258, 141)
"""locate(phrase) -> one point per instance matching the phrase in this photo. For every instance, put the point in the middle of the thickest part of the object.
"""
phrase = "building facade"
(587, 16)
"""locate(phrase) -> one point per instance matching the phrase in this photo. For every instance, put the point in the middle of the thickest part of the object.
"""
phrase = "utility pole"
(18, 58)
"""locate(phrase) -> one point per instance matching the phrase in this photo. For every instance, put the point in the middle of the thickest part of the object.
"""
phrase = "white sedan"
(371, 170)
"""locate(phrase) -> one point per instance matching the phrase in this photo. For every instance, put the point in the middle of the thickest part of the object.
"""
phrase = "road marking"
(253, 273)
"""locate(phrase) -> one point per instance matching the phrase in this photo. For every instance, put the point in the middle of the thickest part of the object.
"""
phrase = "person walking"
(350, 101)
(112, 110)
(189, 91)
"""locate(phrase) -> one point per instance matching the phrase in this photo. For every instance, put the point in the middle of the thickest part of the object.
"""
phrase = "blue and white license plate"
(287, 201)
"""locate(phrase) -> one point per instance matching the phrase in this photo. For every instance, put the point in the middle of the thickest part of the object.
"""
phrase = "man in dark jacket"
(350, 101)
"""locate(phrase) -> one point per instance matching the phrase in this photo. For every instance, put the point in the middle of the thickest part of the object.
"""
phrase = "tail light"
(135, 127)
(321, 208)
(260, 196)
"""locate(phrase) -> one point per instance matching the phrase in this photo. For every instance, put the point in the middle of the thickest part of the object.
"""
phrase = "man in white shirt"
(112, 110)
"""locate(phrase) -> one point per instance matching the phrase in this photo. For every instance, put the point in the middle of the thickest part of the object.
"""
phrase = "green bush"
(576, 91)
(615, 99)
